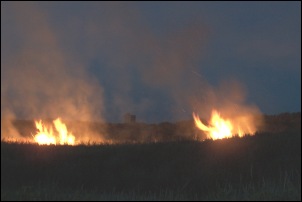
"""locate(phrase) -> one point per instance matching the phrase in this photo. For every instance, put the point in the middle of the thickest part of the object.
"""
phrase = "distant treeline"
(282, 122)
(165, 131)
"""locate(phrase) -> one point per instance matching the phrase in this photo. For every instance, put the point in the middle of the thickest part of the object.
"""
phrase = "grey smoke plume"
(120, 35)
(39, 80)
(45, 70)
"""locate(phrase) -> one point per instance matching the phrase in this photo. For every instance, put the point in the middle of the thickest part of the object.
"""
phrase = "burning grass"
(220, 127)
(266, 166)
(119, 133)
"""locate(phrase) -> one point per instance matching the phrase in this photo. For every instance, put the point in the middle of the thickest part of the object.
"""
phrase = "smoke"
(39, 80)
(136, 57)
(47, 65)
(8, 131)
(229, 99)
(166, 61)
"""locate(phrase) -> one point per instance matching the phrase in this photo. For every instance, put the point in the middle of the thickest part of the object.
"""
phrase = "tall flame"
(47, 136)
(220, 128)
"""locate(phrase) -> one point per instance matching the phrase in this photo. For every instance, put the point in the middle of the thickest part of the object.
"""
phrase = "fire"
(220, 128)
(47, 136)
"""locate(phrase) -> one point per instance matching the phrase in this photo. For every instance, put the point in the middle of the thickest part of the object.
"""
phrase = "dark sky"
(152, 59)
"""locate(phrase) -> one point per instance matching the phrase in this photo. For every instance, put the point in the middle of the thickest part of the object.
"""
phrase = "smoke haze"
(39, 80)
(46, 70)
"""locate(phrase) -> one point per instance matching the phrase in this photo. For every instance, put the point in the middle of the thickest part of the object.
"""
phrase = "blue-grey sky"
(158, 60)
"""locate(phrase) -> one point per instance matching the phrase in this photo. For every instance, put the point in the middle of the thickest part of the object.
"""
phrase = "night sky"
(158, 60)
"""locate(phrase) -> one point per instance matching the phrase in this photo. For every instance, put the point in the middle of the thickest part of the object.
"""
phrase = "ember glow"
(46, 135)
(219, 128)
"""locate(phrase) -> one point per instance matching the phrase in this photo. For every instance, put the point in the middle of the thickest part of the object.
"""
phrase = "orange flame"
(220, 128)
(46, 136)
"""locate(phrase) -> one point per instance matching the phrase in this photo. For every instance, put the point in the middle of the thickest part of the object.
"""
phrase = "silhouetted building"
(129, 118)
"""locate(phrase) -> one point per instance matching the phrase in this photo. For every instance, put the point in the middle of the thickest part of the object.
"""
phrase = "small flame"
(46, 136)
(220, 128)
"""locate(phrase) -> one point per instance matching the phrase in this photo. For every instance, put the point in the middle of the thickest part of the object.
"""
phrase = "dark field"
(266, 166)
